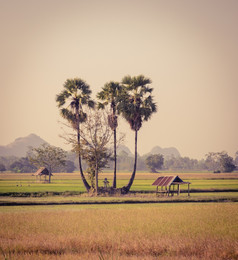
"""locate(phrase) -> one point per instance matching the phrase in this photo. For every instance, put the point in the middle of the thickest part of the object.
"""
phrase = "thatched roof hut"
(42, 171)
(167, 185)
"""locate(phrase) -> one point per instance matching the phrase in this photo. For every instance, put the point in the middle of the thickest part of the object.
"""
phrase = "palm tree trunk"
(49, 178)
(86, 185)
(127, 188)
(50, 175)
(96, 178)
(115, 160)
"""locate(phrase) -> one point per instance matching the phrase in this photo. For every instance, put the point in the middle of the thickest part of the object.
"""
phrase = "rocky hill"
(123, 150)
(21, 145)
(166, 152)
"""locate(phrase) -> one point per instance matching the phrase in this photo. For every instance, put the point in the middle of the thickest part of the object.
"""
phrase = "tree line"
(214, 162)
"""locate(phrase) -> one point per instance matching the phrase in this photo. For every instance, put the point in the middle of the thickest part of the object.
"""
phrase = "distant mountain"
(166, 152)
(21, 145)
(124, 150)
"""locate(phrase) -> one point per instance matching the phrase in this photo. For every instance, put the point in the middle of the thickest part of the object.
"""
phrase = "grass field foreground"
(167, 231)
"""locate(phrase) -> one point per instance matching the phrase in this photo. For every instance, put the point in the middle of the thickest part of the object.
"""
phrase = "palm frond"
(91, 103)
(67, 114)
(101, 105)
(127, 80)
(62, 97)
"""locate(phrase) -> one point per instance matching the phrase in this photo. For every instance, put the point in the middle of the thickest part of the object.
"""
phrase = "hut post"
(188, 190)
(178, 189)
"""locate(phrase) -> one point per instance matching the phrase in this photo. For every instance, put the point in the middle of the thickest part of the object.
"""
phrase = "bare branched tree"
(96, 143)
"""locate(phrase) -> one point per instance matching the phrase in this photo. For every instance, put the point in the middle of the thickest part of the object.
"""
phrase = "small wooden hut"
(169, 185)
(43, 172)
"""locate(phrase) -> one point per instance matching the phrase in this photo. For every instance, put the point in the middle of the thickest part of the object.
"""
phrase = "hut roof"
(168, 180)
(42, 171)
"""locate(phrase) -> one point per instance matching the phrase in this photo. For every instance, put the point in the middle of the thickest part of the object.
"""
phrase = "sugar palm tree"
(136, 106)
(110, 96)
(71, 100)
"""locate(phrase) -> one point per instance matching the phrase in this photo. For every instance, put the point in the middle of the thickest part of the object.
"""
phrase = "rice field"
(10, 182)
(161, 231)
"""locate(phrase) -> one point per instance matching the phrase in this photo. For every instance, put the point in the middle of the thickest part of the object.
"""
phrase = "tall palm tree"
(71, 100)
(110, 95)
(136, 106)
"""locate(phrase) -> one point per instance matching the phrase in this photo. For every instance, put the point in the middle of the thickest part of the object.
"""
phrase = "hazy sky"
(188, 48)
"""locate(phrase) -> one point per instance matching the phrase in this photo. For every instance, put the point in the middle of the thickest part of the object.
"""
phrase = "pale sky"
(188, 48)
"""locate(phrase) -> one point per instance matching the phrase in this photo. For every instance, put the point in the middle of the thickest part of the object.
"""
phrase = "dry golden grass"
(171, 231)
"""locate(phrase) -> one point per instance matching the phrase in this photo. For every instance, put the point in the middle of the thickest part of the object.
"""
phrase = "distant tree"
(47, 156)
(124, 161)
(236, 158)
(22, 165)
(2, 167)
(212, 162)
(155, 162)
(227, 163)
(71, 101)
(141, 164)
(182, 164)
(8, 160)
(68, 167)
(219, 162)
(136, 106)
(16, 167)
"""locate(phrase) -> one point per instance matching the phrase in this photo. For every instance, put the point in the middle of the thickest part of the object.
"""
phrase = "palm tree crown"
(137, 103)
(110, 95)
(75, 95)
